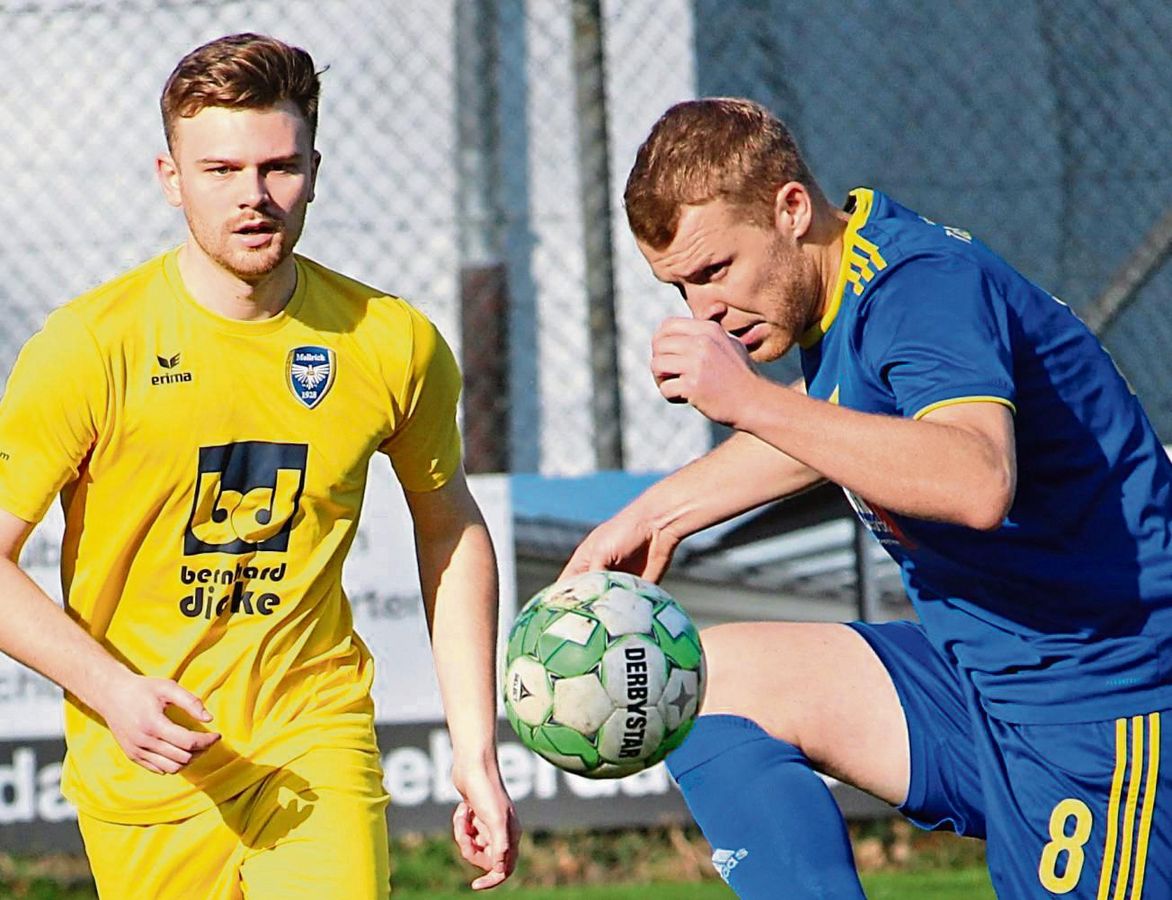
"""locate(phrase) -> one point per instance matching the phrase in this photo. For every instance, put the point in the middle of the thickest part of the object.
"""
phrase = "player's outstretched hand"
(485, 826)
(135, 711)
(624, 544)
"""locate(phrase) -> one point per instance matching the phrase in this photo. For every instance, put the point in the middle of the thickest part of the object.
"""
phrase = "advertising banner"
(382, 583)
(383, 586)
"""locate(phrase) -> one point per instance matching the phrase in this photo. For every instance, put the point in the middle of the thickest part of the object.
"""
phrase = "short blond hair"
(716, 148)
(241, 71)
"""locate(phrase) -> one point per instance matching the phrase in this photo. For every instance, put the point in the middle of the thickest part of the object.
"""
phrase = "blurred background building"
(475, 154)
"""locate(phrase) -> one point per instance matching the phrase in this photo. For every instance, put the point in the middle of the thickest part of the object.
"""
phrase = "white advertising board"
(381, 580)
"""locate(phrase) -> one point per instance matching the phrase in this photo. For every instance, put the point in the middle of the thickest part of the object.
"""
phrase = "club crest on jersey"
(310, 373)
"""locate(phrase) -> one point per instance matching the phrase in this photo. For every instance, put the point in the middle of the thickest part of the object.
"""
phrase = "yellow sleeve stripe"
(956, 401)
(866, 246)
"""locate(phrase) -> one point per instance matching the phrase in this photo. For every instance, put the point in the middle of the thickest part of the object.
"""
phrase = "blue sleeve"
(937, 331)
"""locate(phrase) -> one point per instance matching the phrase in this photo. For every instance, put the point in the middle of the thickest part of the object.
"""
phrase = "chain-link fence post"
(483, 283)
(594, 175)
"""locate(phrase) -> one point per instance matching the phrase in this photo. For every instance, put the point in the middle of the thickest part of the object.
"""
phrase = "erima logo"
(635, 725)
(170, 362)
(246, 496)
(727, 860)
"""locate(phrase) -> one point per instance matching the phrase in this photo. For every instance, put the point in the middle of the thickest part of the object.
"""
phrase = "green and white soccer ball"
(604, 673)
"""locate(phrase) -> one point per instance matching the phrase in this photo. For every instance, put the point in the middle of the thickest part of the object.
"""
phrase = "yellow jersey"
(212, 473)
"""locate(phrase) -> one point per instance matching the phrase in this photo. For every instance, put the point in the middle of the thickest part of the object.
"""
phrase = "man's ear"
(793, 210)
(167, 171)
(314, 164)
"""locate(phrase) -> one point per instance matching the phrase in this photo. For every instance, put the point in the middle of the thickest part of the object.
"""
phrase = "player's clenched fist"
(698, 362)
(134, 708)
(485, 825)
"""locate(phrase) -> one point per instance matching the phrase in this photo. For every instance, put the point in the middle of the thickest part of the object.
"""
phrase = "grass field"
(662, 863)
(961, 884)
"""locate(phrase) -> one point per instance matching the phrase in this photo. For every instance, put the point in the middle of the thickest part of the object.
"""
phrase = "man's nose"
(704, 303)
(254, 190)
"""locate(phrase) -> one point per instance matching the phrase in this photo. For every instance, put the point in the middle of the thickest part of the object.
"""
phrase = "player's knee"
(733, 678)
(722, 767)
(729, 742)
(754, 682)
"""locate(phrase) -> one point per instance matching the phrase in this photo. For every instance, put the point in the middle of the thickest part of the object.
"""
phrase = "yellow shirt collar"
(864, 198)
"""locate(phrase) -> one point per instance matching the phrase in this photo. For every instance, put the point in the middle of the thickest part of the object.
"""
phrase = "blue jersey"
(1064, 613)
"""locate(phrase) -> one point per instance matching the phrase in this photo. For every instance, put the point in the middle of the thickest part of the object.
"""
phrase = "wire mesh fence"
(457, 167)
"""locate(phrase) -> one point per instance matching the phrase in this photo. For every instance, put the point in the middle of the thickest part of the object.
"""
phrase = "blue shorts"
(1076, 811)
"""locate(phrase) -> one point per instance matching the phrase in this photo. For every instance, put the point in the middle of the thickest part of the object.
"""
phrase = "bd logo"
(246, 495)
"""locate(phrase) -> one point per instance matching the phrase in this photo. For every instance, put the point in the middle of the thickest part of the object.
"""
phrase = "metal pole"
(483, 284)
(594, 168)
(866, 591)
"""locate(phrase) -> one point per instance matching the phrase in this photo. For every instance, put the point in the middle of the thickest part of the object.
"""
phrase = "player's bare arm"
(957, 464)
(457, 569)
(38, 633)
(740, 474)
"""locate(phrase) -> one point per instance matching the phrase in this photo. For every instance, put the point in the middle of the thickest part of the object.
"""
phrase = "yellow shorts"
(315, 828)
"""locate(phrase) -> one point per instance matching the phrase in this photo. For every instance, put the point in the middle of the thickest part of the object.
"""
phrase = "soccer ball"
(603, 674)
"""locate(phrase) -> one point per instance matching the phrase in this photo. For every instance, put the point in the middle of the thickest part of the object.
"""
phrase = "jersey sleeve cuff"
(968, 398)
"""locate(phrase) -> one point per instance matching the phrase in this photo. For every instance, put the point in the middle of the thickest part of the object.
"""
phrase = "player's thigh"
(820, 687)
(1080, 810)
(941, 710)
(319, 829)
(197, 857)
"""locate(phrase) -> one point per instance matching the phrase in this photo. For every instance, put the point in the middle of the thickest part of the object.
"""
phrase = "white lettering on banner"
(413, 777)
(18, 788)
(380, 577)
(407, 776)
(589, 788)
(650, 781)
(526, 774)
(51, 806)
(646, 783)
(18, 684)
(381, 580)
(442, 790)
(27, 794)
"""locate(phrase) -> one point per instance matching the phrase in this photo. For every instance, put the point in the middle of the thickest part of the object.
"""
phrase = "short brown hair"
(717, 148)
(241, 71)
